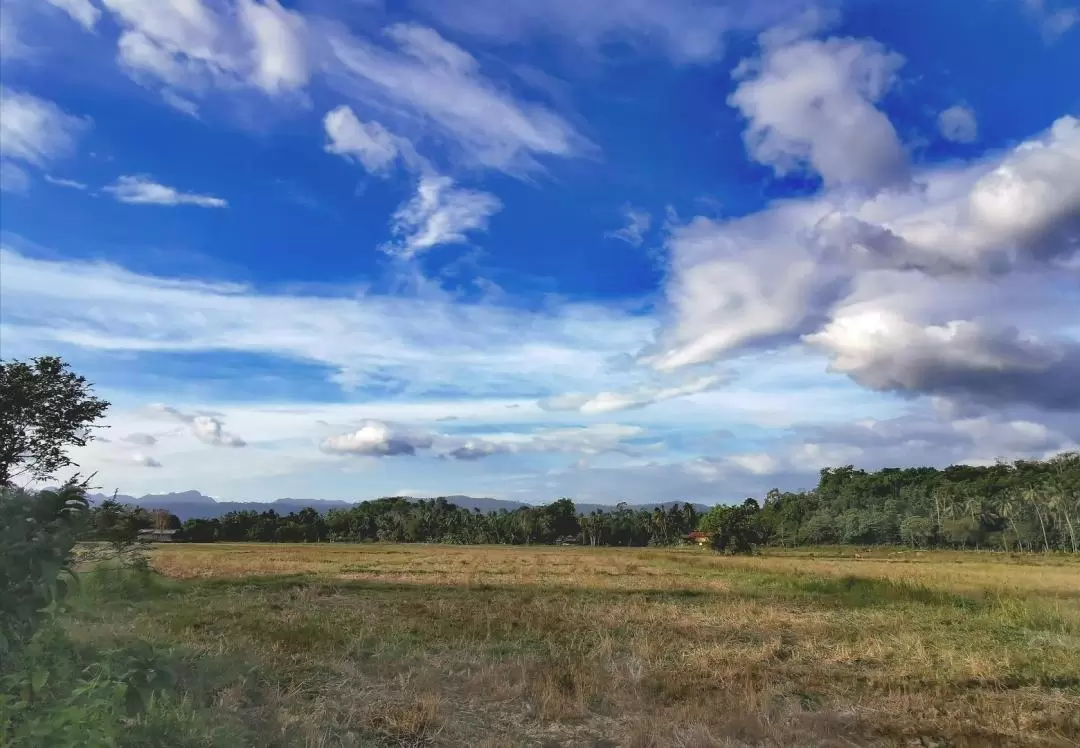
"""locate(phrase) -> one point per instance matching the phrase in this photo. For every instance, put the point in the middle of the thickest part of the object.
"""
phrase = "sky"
(639, 250)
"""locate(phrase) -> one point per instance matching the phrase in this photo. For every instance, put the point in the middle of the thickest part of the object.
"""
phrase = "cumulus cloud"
(1023, 208)
(478, 449)
(745, 283)
(212, 431)
(378, 439)
(36, 131)
(191, 45)
(884, 351)
(207, 428)
(145, 460)
(608, 402)
(439, 213)
(923, 439)
(367, 142)
(143, 439)
(142, 190)
(958, 124)
(375, 438)
(810, 104)
(637, 224)
(990, 239)
(429, 80)
(278, 51)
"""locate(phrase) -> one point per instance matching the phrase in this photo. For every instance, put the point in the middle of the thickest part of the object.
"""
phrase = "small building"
(698, 538)
(157, 536)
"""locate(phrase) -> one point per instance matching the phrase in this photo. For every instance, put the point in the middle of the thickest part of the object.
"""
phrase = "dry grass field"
(327, 645)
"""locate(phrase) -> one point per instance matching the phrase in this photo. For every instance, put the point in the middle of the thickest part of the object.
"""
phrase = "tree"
(917, 531)
(733, 529)
(46, 409)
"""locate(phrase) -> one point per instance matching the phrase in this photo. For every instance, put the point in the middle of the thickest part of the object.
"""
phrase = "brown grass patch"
(456, 646)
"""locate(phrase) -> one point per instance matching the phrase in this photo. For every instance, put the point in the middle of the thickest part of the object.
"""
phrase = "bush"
(38, 532)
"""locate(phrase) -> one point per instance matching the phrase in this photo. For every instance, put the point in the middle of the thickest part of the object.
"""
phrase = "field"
(326, 645)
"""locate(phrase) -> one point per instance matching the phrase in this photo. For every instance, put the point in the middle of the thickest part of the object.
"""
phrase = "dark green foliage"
(45, 409)
(38, 532)
(1025, 505)
(734, 529)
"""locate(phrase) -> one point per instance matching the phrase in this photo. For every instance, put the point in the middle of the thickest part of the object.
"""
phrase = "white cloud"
(757, 463)
(82, 11)
(279, 53)
(69, 183)
(188, 45)
(477, 449)
(207, 428)
(145, 460)
(934, 254)
(884, 351)
(608, 402)
(377, 439)
(427, 343)
(36, 131)
(432, 83)
(958, 124)
(439, 213)
(179, 103)
(637, 224)
(810, 104)
(141, 438)
(141, 190)
(688, 31)
(1053, 22)
(211, 430)
(13, 178)
(368, 142)
(744, 283)
(12, 46)
(990, 217)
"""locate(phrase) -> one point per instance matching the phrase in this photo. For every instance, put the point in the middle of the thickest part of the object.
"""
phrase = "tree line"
(1027, 505)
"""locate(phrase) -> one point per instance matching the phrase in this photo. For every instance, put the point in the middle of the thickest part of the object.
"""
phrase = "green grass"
(441, 645)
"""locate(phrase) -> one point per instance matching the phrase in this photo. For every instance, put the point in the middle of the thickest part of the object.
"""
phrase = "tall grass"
(439, 645)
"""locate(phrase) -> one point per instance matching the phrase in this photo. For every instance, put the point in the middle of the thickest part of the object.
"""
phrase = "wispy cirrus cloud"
(637, 225)
(143, 190)
(423, 77)
(191, 46)
(687, 31)
(69, 183)
(35, 131)
(439, 213)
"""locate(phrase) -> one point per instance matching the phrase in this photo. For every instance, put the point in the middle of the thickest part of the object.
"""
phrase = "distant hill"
(195, 505)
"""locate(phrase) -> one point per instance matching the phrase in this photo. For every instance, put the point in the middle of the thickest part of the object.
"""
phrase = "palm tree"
(1034, 495)
(1008, 507)
(1057, 499)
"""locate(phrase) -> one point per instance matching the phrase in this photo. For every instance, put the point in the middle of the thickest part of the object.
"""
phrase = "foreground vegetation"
(384, 644)
(330, 645)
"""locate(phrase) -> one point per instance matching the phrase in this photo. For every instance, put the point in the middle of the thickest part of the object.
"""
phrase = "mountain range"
(195, 505)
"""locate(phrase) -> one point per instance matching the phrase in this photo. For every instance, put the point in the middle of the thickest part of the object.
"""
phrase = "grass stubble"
(411, 645)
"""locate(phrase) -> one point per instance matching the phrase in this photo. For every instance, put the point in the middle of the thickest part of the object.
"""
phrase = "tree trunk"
(1069, 524)
(1046, 544)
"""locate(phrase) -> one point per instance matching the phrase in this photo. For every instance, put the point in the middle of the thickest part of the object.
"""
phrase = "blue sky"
(633, 250)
